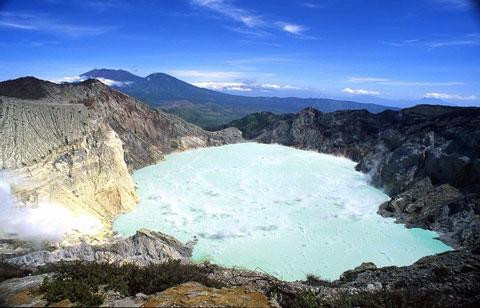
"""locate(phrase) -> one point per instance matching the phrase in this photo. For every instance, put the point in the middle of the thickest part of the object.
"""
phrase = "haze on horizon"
(361, 50)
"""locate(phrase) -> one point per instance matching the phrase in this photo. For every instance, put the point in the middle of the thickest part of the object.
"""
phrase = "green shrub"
(81, 292)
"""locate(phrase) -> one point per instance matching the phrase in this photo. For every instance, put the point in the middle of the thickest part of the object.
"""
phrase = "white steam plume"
(45, 221)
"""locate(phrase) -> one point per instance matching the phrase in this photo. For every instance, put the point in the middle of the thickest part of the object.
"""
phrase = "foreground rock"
(24, 292)
(427, 158)
(21, 292)
(143, 248)
(450, 279)
(196, 295)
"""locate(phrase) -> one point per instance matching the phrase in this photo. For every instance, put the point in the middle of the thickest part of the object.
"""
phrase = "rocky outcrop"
(143, 248)
(450, 211)
(74, 144)
(21, 292)
(450, 279)
(423, 151)
(193, 294)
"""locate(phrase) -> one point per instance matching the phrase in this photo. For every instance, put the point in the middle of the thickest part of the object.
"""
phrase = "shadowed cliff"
(426, 157)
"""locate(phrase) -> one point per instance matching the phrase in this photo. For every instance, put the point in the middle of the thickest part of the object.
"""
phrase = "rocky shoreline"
(450, 279)
(427, 158)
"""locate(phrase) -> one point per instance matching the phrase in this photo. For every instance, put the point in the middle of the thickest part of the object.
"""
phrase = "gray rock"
(424, 150)
(143, 248)
(9, 288)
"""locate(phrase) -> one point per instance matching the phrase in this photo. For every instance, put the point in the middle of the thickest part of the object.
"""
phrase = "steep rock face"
(65, 155)
(74, 144)
(400, 150)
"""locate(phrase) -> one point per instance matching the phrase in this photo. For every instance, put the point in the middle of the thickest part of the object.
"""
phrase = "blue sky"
(397, 50)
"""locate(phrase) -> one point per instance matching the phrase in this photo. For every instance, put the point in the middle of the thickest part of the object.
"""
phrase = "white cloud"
(366, 79)
(360, 91)
(108, 82)
(222, 86)
(250, 19)
(70, 79)
(312, 5)
(447, 96)
(239, 89)
(245, 86)
(16, 25)
(391, 82)
(421, 83)
(472, 39)
(456, 4)
(467, 40)
(402, 43)
(297, 31)
(206, 74)
(292, 28)
(273, 86)
(43, 23)
(229, 10)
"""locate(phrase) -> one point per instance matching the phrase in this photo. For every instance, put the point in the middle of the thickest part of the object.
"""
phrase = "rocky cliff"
(427, 158)
(74, 144)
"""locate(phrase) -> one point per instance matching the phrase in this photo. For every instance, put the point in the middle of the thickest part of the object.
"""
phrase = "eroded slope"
(74, 144)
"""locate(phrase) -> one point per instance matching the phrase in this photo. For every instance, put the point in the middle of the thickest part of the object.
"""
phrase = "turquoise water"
(285, 211)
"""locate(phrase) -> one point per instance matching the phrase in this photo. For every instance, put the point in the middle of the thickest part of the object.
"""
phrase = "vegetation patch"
(8, 271)
(80, 282)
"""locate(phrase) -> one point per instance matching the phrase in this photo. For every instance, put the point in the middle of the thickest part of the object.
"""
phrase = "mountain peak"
(161, 76)
(24, 88)
(112, 74)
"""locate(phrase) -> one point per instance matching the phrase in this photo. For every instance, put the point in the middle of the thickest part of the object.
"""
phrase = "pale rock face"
(74, 144)
(90, 177)
(64, 155)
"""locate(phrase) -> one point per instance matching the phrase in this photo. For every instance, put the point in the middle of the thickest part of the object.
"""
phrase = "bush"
(81, 292)
(8, 271)
(80, 281)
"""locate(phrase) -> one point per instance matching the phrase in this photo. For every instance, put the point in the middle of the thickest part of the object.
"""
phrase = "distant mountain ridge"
(117, 75)
(208, 108)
